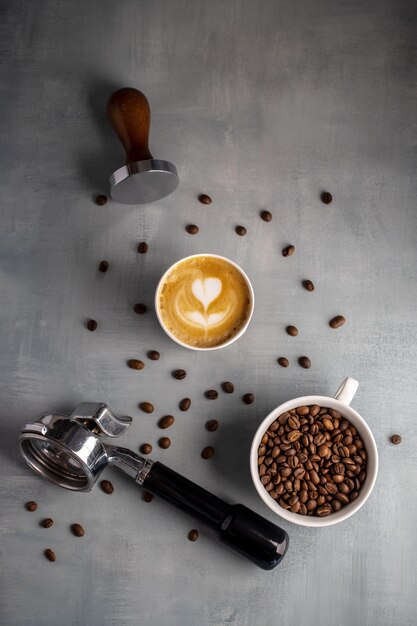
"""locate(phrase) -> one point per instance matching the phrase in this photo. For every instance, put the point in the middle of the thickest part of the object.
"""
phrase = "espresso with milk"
(204, 301)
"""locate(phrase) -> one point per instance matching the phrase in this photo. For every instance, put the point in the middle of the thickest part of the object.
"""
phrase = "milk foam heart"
(205, 320)
(206, 290)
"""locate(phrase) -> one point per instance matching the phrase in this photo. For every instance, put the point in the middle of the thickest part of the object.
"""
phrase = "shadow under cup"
(229, 340)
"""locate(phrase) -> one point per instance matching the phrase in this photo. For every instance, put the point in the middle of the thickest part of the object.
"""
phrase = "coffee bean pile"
(312, 461)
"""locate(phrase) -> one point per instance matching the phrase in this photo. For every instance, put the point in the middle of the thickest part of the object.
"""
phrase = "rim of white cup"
(372, 467)
(229, 341)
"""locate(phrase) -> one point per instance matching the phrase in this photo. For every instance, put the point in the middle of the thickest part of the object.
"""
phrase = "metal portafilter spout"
(143, 179)
(67, 450)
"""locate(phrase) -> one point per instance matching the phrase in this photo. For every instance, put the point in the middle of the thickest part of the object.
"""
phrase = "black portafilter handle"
(262, 542)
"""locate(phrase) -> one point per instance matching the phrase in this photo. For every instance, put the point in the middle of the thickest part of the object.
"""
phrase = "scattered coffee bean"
(101, 199)
(395, 439)
(193, 535)
(146, 448)
(77, 530)
(288, 251)
(292, 330)
(266, 216)
(140, 308)
(135, 364)
(212, 394)
(207, 452)
(106, 486)
(307, 284)
(204, 198)
(148, 497)
(240, 230)
(192, 229)
(143, 247)
(248, 398)
(305, 362)
(31, 506)
(309, 461)
(326, 197)
(164, 443)
(228, 387)
(283, 361)
(50, 555)
(212, 425)
(147, 407)
(179, 374)
(153, 355)
(91, 325)
(166, 421)
(103, 267)
(337, 321)
(47, 522)
(185, 404)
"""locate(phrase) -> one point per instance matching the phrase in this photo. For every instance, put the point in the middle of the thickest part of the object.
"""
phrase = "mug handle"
(347, 390)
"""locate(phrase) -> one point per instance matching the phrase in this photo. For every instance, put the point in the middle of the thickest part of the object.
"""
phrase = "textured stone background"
(260, 104)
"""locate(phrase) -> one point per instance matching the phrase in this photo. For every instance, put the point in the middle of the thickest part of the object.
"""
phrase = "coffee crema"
(204, 301)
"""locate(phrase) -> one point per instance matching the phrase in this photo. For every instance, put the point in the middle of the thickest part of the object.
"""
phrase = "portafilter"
(68, 451)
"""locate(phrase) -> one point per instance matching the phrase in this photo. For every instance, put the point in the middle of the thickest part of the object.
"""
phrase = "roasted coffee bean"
(31, 506)
(319, 440)
(327, 423)
(212, 425)
(91, 325)
(286, 471)
(330, 488)
(77, 530)
(212, 394)
(311, 504)
(146, 448)
(240, 230)
(204, 198)
(100, 199)
(164, 442)
(143, 247)
(293, 435)
(179, 374)
(395, 439)
(166, 421)
(293, 462)
(147, 407)
(192, 229)
(50, 555)
(342, 498)
(337, 321)
(292, 330)
(261, 450)
(293, 422)
(288, 251)
(266, 216)
(106, 486)
(339, 468)
(307, 284)
(103, 267)
(305, 362)
(336, 505)
(228, 387)
(135, 364)
(283, 418)
(47, 523)
(324, 510)
(148, 497)
(314, 477)
(248, 398)
(283, 361)
(262, 470)
(185, 404)
(323, 451)
(353, 496)
(208, 452)
(153, 355)
(314, 410)
(338, 478)
(140, 308)
(326, 197)
(193, 535)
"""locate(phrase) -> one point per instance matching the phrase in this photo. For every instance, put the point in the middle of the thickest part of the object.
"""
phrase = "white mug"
(229, 341)
(340, 402)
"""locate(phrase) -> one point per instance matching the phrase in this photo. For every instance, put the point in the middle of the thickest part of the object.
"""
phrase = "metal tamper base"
(142, 182)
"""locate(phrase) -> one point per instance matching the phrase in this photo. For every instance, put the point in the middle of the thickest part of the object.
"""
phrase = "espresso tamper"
(67, 450)
(143, 179)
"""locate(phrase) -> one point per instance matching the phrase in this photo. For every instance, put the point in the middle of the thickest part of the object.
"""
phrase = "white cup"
(229, 341)
(340, 402)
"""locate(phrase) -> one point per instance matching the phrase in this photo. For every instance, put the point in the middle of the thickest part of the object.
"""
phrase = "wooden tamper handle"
(143, 179)
(130, 115)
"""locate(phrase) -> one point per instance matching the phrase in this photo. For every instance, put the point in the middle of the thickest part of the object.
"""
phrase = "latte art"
(204, 301)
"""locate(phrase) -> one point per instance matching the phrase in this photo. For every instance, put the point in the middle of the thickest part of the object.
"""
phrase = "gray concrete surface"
(260, 104)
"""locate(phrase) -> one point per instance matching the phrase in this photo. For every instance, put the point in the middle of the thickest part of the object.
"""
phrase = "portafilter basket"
(68, 451)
